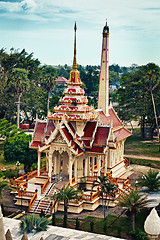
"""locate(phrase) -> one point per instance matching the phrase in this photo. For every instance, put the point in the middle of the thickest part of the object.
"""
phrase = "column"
(92, 166)
(50, 164)
(86, 166)
(55, 162)
(70, 171)
(46, 162)
(105, 165)
(99, 164)
(75, 170)
(39, 163)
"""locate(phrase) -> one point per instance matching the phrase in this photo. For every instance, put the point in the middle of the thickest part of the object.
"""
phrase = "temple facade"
(77, 139)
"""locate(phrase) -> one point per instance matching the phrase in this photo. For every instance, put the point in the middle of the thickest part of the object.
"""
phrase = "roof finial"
(74, 58)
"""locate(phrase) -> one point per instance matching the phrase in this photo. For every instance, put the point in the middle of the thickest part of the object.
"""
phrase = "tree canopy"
(135, 98)
(16, 145)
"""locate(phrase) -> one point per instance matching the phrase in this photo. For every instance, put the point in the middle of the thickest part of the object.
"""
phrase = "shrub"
(92, 226)
(41, 224)
(105, 227)
(138, 235)
(77, 224)
(33, 222)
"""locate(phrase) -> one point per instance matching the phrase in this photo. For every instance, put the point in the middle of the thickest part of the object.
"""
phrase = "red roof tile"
(68, 135)
(61, 80)
(39, 131)
(36, 144)
(86, 143)
(50, 127)
(72, 128)
(121, 133)
(112, 118)
(95, 150)
(101, 135)
(89, 129)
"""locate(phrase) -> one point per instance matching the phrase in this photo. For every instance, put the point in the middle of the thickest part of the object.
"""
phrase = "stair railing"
(44, 186)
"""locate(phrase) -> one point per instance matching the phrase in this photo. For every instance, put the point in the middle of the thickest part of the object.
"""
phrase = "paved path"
(143, 157)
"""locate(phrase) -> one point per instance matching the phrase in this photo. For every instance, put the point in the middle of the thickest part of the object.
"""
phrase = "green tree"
(134, 201)
(48, 80)
(65, 194)
(113, 77)
(63, 71)
(151, 180)
(6, 129)
(8, 63)
(136, 96)
(16, 148)
(109, 191)
(106, 190)
(18, 83)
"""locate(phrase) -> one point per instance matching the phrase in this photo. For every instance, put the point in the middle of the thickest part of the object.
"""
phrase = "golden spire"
(74, 58)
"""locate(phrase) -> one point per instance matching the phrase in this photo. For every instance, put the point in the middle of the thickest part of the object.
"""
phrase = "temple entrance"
(65, 163)
(60, 163)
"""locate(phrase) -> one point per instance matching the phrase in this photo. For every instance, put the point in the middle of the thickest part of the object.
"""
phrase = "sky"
(45, 27)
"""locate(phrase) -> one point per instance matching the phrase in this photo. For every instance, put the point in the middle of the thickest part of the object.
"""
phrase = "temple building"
(77, 139)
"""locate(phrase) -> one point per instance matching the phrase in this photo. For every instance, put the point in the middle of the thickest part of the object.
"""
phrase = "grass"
(135, 145)
(144, 162)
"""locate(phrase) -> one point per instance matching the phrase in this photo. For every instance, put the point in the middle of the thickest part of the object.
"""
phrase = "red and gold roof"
(74, 104)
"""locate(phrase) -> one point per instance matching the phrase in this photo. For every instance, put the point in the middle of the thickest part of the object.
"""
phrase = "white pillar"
(39, 163)
(99, 164)
(92, 166)
(50, 164)
(86, 166)
(70, 170)
(2, 226)
(55, 162)
(75, 169)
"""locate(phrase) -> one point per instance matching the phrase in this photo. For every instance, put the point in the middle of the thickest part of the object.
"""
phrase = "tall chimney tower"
(103, 96)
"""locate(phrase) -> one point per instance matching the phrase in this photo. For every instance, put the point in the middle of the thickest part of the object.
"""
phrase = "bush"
(105, 227)
(92, 226)
(33, 222)
(77, 224)
(138, 235)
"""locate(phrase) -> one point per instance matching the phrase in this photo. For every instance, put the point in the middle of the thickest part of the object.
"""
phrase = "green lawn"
(135, 145)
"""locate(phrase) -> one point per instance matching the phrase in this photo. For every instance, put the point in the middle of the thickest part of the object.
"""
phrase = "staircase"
(44, 200)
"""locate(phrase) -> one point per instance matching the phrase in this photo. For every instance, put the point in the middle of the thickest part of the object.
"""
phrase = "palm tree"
(151, 180)
(65, 194)
(134, 201)
(19, 82)
(105, 188)
(110, 190)
(48, 81)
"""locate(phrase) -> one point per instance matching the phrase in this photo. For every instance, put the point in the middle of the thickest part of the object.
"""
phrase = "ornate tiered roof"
(74, 104)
